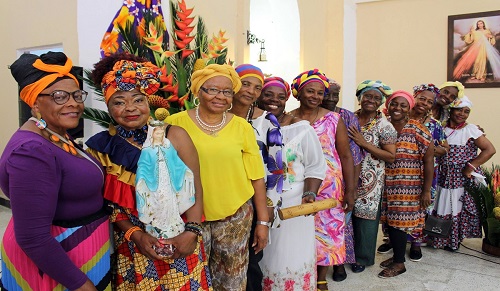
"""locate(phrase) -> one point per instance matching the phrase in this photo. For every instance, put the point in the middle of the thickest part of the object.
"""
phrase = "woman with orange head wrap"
(126, 82)
(58, 237)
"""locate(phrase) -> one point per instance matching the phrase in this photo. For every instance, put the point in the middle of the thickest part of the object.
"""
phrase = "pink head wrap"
(401, 93)
(277, 82)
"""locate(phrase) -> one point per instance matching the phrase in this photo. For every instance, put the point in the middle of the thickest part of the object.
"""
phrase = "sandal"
(322, 283)
(387, 263)
(391, 272)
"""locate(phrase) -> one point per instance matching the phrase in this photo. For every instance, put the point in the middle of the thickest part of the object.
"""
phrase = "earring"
(41, 124)
(196, 103)
(230, 107)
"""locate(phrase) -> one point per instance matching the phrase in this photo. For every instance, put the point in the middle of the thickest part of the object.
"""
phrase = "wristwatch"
(268, 224)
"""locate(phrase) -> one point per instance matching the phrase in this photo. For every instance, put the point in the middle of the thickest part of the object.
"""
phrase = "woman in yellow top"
(231, 172)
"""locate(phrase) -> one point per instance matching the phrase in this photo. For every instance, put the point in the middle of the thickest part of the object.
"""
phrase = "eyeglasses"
(60, 97)
(214, 92)
(370, 97)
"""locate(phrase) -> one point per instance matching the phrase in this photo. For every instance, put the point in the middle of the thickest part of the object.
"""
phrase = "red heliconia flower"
(179, 44)
(181, 25)
(188, 39)
(186, 53)
(183, 99)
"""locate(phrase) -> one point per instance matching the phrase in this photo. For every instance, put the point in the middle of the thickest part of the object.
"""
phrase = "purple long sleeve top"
(45, 183)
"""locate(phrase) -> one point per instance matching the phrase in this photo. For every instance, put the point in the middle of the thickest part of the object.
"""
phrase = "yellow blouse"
(228, 163)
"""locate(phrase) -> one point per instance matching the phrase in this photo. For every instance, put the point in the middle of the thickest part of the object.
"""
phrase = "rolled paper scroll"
(308, 208)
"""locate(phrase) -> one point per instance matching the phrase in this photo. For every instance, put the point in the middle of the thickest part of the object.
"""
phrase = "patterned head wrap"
(461, 103)
(367, 85)
(277, 82)
(307, 77)
(129, 75)
(199, 77)
(247, 70)
(456, 84)
(35, 73)
(401, 93)
(426, 87)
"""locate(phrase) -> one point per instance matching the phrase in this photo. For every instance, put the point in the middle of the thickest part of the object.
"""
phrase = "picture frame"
(474, 49)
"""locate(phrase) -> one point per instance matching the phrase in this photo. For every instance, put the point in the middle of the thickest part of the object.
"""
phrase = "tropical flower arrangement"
(487, 198)
(139, 28)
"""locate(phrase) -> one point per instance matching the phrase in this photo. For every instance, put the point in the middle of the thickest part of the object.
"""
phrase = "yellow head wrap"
(201, 76)
(456, 84)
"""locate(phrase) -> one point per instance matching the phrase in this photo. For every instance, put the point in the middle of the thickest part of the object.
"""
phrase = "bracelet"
(307, 193)
(266, 223)
(130, 231)
(471, 166)
(194, 227)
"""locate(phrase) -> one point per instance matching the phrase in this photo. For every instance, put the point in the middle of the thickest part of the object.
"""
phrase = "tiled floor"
(438, 270)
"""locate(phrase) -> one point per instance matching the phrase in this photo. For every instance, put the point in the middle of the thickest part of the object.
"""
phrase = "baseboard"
(4, 202)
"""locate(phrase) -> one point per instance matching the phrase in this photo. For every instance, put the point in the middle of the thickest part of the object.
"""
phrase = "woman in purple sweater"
(58, 237)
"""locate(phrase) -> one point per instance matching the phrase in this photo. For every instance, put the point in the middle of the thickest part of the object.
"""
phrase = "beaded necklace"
(139, 134)
(461, 125)
(370, 122)
(211, 128)
(250, 114)
(64, 142)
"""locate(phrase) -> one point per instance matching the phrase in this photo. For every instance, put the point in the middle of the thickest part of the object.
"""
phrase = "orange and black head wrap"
(35, 73)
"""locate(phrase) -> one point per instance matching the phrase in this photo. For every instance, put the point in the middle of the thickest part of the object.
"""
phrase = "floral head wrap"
(426, 87)
(307, 77)
(277, 82)
(461, 103)
(401, 93)
(456, 84)
(199, 77)
(129, 75)
(35, 73)
(367, 85)
(247, 70)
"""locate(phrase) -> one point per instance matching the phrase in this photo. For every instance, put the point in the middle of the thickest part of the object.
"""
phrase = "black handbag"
(438, 227)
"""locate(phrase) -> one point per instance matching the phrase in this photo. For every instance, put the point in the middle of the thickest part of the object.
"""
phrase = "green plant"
(487, 199)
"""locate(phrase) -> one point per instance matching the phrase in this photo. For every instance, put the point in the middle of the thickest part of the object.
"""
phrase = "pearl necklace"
(211, 128)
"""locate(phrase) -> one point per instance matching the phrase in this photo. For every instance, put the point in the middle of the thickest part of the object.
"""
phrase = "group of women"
(242, 159)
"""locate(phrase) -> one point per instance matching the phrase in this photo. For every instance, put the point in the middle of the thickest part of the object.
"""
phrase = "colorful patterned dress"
(404, 180)
(329, 224)
(283, 267)
(452, 201)
(133, 270)
(357, 156)
(378, 132)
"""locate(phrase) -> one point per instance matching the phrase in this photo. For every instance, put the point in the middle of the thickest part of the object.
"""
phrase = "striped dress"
(404, 180)
(58, 236)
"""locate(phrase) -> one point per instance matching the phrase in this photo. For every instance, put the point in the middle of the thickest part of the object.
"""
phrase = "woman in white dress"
(289, 261)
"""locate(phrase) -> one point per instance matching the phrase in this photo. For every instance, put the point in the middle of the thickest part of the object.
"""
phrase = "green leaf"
(99, 116)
